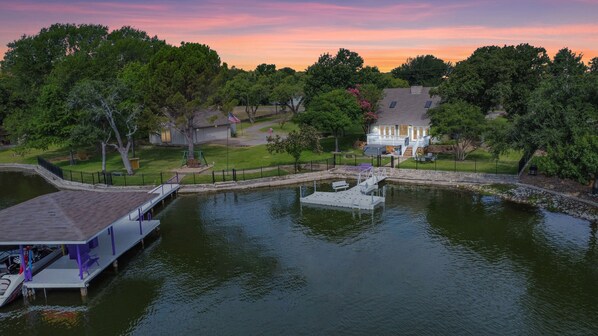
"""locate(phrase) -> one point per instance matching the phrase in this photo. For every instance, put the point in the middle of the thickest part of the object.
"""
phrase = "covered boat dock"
(93, 228)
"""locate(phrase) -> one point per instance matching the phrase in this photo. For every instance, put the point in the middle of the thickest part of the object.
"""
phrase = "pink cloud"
(295, 34)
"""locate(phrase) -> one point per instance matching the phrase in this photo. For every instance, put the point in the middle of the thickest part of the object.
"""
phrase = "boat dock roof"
(66, 217)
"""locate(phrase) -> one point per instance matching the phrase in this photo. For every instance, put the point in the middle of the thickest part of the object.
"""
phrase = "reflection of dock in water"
(359, 197)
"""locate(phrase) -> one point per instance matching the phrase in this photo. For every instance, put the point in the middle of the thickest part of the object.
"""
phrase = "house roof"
(202, 118)
(410, 107)
(66, 217)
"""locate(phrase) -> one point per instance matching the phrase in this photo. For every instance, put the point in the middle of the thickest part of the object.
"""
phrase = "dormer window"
(393, 104)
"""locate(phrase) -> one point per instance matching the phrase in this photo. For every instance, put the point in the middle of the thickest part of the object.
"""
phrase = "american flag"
(232, 118)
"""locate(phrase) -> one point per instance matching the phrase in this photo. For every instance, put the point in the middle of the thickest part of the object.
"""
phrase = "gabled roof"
(66, 217)
(410, 107)
(203, 118)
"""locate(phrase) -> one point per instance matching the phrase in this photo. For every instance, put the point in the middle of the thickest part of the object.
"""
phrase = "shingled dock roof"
(66, 217)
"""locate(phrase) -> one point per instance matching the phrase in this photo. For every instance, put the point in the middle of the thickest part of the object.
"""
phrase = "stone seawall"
(479, 182)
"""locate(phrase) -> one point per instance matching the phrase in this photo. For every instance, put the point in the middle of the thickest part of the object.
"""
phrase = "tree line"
(81, 85)
(543, 104)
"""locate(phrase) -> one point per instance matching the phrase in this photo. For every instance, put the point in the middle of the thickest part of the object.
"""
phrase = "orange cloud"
(295, 34)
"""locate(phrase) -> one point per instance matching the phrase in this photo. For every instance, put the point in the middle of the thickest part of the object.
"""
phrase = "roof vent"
(416, 89)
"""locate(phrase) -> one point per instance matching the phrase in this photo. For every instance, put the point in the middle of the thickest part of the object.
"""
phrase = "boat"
(11, 274)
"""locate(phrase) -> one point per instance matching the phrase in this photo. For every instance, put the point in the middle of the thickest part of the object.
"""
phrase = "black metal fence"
(243, 174)
(54, 169)
(118, 179)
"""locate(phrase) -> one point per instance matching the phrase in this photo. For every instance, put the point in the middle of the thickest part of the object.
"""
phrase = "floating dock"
(359, 197)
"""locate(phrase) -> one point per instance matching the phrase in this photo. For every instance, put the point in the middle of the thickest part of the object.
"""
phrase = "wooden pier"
(359, 197)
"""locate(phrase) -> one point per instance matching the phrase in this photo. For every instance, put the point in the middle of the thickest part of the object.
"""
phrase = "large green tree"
(426, 70)
(288, 91)
(107, 103)
(182, 80)
(340, 71)
(497, 78)
(42, 69)
(332, 112)
(461, 122)
(563, 120)
(249, 89)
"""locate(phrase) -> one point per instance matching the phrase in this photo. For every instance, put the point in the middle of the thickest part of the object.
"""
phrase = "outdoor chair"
(430, 157)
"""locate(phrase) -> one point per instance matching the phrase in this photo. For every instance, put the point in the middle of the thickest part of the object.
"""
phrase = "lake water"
(432, 261)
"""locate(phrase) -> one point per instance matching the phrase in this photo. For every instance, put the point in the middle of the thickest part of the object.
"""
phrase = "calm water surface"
(256, 263)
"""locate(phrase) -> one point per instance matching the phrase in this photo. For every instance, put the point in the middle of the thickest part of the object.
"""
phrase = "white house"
(402, 126)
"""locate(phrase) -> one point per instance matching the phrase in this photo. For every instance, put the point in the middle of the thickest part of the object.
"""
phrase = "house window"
(165, 136)
(393, 104)
(403, 130)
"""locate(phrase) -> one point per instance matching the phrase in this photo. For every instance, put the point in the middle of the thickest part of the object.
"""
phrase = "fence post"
(326, 164)
(261, 171)
(223, 177)
(93, 179)
(177, 177)
(142, 180)
(213, 177)
(278, 170)
(243, 174)
(234, 175)
(71, 173)
(161, 178)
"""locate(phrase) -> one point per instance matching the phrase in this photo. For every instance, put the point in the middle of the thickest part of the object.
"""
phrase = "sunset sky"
(294, 33)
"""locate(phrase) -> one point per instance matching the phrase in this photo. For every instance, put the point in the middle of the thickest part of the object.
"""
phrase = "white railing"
(390, 140)
(417, 144)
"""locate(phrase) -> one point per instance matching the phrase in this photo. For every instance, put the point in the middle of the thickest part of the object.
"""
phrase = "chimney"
(416, 89)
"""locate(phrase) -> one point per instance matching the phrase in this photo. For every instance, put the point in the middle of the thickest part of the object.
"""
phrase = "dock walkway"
(127, 232)
(359, 197)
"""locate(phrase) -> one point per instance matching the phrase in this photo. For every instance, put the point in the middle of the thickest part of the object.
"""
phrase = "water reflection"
(431, 261)
(205, 241)
(18, 187)
(560, 271)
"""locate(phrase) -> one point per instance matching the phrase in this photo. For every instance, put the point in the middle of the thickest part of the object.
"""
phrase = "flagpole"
(227, 131)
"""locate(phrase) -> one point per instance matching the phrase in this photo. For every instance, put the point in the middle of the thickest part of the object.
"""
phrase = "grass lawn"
(30, 156)
(156, 159)
(288, 126)
(479, 161)
(157, 162)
